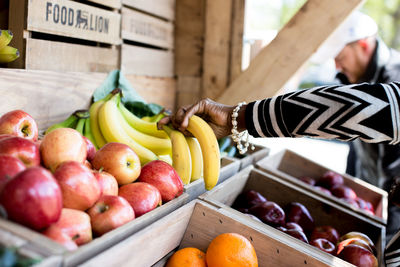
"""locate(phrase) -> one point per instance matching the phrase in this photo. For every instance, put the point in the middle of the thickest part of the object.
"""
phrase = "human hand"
(217, 115)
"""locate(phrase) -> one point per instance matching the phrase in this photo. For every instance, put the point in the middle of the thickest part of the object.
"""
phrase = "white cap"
(355, 27)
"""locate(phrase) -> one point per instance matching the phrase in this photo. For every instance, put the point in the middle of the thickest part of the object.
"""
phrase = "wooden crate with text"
(291, 166)
(66, 35)
(282, 193)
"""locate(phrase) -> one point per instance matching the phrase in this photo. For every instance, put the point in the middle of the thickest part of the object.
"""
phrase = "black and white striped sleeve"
(370, 112)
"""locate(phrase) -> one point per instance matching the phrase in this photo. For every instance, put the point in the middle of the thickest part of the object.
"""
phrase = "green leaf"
(116, 79)
(141, 109)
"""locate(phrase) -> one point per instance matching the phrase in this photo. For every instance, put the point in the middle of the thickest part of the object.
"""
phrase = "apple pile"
(63, 188)
(332, 184)
(295, 219)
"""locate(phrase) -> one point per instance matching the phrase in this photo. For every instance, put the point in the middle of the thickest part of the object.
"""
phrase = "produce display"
(296, 220)
(332, 183)
(228, 249)
(68, 188)
(7, 53)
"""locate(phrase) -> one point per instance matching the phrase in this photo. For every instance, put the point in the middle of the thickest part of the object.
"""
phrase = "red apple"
(73, 223)
(359, 256)
(110, 212)
(298, 213)
(326, 232)
(60, 237)
(269, 212)
(80, 189)
(352, 202)
(307, 180)
(293, 225)
(359, 235)
(343, 191)
(324, 245)
(297, 234)
(19, 123)
(9, 167)
(108, 183)
(164, 177)
(21, 148)
(90, 148)
(88, 165)
(330, 179)
(248, 199)
(4, 136)
(143, 197)
(323, 189)
(60, 145)
(119, 160)
(33, 198)
(356, 241)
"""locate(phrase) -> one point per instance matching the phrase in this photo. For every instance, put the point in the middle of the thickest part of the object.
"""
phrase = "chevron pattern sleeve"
(370, 112)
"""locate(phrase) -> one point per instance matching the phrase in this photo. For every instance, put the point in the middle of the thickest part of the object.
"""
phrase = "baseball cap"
(355, 27)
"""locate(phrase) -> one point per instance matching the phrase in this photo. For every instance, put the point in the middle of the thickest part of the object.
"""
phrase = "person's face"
(352, 61)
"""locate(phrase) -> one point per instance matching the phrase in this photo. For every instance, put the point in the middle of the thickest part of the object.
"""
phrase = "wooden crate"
(253, 156)
(97, 245)
(282, 193)
(289, 166)
(229, 167)
(66, 35)
(195, 225)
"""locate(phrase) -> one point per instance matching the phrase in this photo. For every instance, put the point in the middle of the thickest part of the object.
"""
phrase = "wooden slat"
(188, 90)
(189, 37)
(155, 90)
(290, 166)
(216, 47)
(48, 96)
(73, 19)
(291, 48)
(140, 27)
(17, 24)
(161, 8)
(236, 39)
(146, 61)
(58, 56)
(110, 3)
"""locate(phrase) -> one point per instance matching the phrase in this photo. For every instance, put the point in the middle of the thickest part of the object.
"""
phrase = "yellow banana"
(8, 54)
(196, 157)
(5, 37)
(180, 154)
(141, 125)
(209, 148)
(112, 130)
(159, 146)
(167, 158)
(94, 123)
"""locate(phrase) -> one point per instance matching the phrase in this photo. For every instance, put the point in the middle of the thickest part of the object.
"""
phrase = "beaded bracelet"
(239, 137)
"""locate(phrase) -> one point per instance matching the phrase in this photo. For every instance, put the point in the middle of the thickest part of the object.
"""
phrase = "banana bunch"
(7, 53)
(195, 157)
(80, 121)
(111, 121)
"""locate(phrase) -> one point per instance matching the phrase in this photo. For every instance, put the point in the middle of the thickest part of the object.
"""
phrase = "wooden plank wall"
(208, 47)
(4, 14)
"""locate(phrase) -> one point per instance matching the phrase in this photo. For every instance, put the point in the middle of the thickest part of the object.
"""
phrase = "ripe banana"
(196, 157)
(5, 38)
(87, 132)
(70, 122)
(8, 54)
(167, 158)
(141, 125)
(94, 123)
(209, 148)
(112, 130)
(159, 146)
(180, 154)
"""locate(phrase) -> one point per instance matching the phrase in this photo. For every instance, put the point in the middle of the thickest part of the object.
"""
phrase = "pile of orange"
(225, 250)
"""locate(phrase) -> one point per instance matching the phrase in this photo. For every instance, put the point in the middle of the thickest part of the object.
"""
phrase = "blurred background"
(263, 20)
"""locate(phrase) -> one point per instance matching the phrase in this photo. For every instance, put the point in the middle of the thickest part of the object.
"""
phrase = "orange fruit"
(187, 257)
(231, 249)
